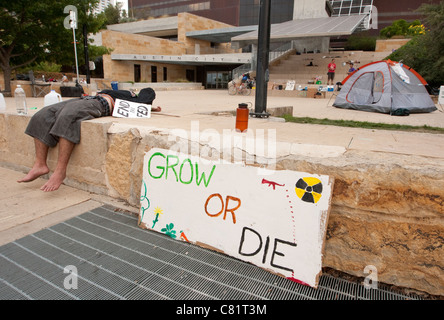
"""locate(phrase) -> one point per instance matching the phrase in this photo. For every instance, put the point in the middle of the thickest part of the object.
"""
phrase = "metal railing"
(273, 56)
(280, 51)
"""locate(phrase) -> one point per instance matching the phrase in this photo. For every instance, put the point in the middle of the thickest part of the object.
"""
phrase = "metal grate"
(115, 259)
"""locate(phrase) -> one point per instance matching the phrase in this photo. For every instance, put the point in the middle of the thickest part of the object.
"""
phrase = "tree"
(402, 28)
(424, 52)
(112, 14)
(34, 31)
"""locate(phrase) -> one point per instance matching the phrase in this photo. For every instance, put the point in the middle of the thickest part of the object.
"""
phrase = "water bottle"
(242, 114)
(51, 98)
(20, 100)
(2, 103)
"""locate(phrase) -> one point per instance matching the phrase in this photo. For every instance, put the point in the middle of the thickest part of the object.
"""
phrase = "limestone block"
(388, 212)
(119, 164)
(3, 125)
(407, 254)
(16, 147)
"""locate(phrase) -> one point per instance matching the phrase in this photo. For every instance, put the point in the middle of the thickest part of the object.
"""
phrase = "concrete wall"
(390, 44)
(138, 44)
(318, 44)
(304, 9)
(188, 22)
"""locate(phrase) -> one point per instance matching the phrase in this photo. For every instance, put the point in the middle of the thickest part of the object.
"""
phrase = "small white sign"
(276, 221)
(290, 85)
(131, 110)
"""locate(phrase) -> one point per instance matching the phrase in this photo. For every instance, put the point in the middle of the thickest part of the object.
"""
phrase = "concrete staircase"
(295, 67)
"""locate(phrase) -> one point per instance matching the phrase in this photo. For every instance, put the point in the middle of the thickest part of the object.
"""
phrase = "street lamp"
(71, 23)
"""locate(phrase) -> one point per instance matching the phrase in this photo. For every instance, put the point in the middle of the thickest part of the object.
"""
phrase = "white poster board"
(276, 221)
(290, 85)
(132, 110)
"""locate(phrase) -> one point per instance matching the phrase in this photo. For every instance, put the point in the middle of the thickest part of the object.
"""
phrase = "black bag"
(400, 112)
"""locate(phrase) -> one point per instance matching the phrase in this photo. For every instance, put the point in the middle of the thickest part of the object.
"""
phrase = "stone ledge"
(387, 209)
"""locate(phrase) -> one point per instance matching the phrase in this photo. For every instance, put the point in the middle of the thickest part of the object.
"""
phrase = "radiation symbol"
(309, 189)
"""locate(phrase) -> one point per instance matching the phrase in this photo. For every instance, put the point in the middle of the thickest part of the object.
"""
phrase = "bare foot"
(34, 173)
(54, 182)
(157, 109)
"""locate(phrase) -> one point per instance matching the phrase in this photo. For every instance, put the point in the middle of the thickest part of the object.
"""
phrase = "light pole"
(71, 23)
(262, 72)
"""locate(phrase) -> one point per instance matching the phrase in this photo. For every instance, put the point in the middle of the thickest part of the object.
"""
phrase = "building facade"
(172, 47)
(246, 12)
(140, 57)
(390, 11)
(233, 12)
(103, 4)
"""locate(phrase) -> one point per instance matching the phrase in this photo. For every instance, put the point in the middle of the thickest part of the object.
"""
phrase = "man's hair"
(146, 95)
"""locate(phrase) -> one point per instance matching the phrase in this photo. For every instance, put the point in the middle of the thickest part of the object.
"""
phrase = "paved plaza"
(45, 215)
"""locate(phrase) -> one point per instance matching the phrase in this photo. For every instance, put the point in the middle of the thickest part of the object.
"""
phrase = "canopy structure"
(306, 28)
(387, 87)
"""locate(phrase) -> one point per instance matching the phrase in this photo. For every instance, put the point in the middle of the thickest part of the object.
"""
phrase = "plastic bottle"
(242, 114)
(2, 103)
(51, 98)
(20, 100)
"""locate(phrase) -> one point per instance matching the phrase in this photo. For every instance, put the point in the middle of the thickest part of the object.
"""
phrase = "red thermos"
(242, 114)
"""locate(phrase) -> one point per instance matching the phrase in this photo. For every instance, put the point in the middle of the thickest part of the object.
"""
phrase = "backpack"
(400, 112)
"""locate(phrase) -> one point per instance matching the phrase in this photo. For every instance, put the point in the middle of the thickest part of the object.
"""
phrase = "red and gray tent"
(385, 86)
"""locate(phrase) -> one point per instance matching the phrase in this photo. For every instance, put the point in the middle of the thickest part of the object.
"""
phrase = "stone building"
(162, 50)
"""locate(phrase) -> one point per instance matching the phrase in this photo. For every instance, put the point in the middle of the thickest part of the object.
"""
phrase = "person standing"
(331, 72)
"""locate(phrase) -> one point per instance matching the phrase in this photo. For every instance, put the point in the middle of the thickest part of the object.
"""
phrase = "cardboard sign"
(276, 221)
(129, 109)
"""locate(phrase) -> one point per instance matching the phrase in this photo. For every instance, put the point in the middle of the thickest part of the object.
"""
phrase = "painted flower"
(157, 211)
(169, 230)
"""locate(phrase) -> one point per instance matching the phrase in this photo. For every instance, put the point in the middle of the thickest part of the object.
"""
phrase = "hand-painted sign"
(129, 109)
(276, 221)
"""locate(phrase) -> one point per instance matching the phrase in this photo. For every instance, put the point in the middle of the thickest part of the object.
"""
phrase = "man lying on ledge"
(61, 122)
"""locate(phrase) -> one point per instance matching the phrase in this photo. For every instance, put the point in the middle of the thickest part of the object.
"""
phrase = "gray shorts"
(63, 120)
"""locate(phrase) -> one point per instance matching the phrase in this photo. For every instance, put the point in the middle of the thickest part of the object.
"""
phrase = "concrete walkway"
(24, 209)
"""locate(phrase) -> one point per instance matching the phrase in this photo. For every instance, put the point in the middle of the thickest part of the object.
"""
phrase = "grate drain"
(115, 259)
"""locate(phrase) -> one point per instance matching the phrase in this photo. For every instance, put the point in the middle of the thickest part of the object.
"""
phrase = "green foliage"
(112, 14)
(424, 52)
(34, 32)
(403, 28)
(363, 124)
(361, 41)
(47, 67)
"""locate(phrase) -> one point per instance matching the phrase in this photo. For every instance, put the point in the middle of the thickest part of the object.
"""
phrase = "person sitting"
(245, 77)
(351, 70)
(60, 124)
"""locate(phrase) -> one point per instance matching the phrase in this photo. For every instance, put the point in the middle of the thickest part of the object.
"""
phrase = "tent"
(387, 87)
